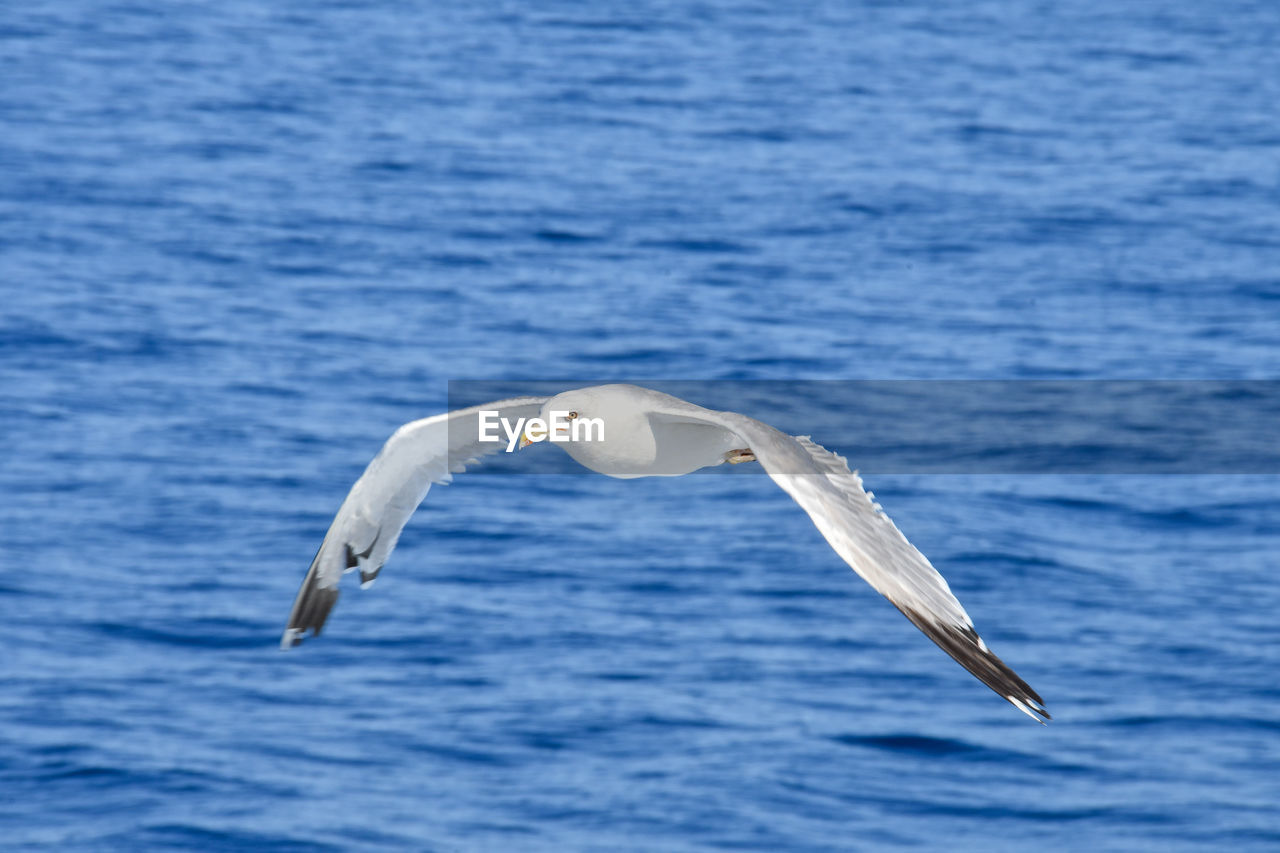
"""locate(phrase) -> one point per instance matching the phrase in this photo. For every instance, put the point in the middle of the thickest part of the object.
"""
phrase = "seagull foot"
(733, 457)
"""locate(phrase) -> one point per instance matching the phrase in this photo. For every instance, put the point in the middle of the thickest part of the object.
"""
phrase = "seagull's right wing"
(859, 531)
(368, 524)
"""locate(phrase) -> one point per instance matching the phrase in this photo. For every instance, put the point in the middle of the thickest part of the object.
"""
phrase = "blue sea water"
(241, 242)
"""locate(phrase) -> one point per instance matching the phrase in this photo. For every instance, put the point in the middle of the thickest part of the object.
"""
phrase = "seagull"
(645, 433)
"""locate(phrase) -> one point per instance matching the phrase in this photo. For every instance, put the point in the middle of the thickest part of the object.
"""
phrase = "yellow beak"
(525, 441)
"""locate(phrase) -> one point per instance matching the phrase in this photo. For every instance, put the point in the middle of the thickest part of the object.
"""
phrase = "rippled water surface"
(240, 243)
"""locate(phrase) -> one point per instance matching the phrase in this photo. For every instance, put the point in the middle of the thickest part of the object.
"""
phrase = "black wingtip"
(963, 644)
(310, 609)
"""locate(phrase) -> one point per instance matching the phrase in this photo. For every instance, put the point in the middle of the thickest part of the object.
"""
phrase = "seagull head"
(603, 427)
(621, 431)
(571, 417)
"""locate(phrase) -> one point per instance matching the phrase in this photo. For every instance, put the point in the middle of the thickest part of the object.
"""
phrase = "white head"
(622, 431)
(603, 427)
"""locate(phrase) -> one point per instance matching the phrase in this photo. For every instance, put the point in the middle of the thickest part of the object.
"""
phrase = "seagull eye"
(572, 415)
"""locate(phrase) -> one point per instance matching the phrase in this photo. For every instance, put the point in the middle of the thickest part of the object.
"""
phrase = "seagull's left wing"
(859, 531)
(368, 524)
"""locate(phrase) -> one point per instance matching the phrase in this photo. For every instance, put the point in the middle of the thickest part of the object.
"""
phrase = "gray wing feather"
(368, 524)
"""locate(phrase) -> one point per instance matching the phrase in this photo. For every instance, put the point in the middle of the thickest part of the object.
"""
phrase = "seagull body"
(650, 434)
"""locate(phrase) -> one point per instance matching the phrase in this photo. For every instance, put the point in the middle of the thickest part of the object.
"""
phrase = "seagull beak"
(525, 441)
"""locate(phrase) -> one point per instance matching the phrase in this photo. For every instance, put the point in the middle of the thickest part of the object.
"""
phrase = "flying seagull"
(645, 433)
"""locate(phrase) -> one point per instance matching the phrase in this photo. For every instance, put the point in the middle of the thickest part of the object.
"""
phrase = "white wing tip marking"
(367, 584)
(1024, 708)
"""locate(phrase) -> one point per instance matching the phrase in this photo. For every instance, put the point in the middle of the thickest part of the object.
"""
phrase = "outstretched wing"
(368, 524)
(859, 531)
